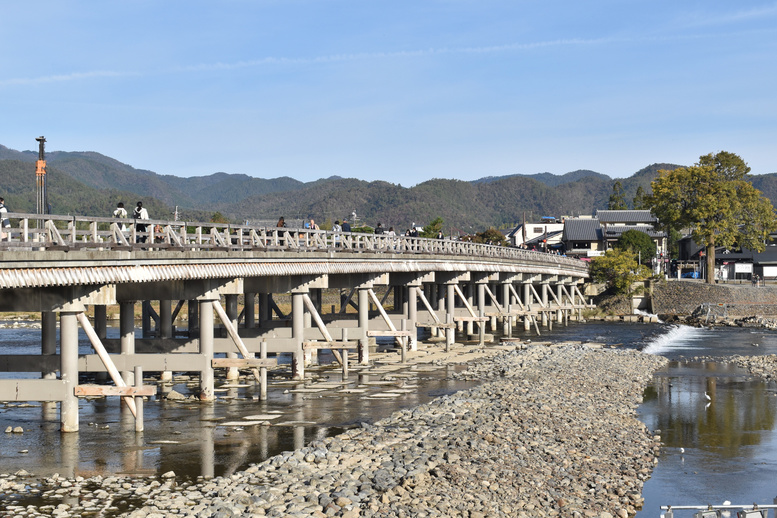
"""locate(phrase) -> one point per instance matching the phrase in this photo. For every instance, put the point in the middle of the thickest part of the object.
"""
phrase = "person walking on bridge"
(4, 222)
(140, 213)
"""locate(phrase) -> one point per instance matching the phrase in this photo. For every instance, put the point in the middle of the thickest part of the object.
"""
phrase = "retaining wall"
(681, 297)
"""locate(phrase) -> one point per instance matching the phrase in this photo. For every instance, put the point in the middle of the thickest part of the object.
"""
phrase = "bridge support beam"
(363, 299)
(127, 336)
(412, 315)
(207, 392)
(68, 348)
(249, 310)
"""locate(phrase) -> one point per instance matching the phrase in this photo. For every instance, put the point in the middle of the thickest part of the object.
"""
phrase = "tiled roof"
(582, 230)
(625, 216)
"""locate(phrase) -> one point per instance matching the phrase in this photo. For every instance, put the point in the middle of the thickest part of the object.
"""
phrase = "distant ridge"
(549, 179)
(89, 183)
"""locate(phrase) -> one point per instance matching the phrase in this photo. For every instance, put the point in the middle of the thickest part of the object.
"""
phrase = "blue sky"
(392, 90)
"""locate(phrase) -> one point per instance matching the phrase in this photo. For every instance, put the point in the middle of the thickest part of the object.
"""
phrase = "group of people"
(312, 225)
(140, 213)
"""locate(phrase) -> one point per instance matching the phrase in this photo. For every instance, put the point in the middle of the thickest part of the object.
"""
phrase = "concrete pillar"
(145, 319)
(193, 309)
(412, 315)
(127, 335)
(68, 347)
(441, 304)
(298, 334)
(544, 294)
(527, 301)
(265, 308)
(450, 332)
(233, 373)
(364, 325)
(506, 320)
(560, 297)
(206, 349)
(48, 342)
(482, 307)
(249, 310)
(165, 319)
(101, 321)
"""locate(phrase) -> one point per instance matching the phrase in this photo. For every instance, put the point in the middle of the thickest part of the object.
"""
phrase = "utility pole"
(40, 178)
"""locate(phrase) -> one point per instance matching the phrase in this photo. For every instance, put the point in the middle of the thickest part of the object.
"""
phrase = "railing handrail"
(43, 232)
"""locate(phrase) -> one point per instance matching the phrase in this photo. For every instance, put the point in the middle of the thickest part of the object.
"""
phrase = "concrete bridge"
(76, 268)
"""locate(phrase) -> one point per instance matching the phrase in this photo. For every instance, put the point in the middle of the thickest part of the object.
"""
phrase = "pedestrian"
(121, 213)
(346, 226)
(6, 223)
(140, 213)
(313, 225)
(439, 235)
(391, 232)
(379, 229)
(281, 222)
(336, 228)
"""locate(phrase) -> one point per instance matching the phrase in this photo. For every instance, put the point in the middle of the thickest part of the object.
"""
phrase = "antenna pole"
(40, 178)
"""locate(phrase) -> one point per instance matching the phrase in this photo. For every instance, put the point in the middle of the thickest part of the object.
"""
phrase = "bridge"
(266, 287)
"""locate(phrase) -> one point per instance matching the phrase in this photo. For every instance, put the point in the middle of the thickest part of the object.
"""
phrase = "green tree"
(717, 200)
(432, 228)
(491, 234)
(618, 269)
(218, 217)
(637, 243)
(639, 200)
(617, 199)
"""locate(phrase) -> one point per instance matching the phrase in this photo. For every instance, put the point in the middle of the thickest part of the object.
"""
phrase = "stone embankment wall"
(682, 298)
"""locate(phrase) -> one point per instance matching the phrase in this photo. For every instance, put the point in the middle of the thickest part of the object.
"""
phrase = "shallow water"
(730, 445)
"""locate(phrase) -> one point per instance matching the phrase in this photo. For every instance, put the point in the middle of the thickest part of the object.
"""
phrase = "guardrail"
(58, 232)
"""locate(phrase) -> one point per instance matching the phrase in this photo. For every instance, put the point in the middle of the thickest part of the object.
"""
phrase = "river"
(719, 449)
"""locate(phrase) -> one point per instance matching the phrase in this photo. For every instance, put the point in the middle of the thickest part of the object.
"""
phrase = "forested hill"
(88, 183)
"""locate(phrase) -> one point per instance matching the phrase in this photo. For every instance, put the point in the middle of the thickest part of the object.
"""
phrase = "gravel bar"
(551, 431)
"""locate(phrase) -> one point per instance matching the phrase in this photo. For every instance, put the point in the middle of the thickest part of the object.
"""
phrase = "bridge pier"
(68, 357)
(127, 335)
(207, 385)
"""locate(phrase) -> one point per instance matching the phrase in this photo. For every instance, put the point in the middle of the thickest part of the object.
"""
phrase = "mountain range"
(90, 184)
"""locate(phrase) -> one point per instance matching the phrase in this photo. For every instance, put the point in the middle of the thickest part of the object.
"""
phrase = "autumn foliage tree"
(717, 200)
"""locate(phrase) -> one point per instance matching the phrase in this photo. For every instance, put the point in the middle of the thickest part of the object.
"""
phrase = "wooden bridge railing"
(58, 232)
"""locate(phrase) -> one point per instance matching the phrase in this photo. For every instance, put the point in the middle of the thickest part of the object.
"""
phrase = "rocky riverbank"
(552, 431)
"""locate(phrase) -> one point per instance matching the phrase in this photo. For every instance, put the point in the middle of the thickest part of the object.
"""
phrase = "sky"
(399, 91)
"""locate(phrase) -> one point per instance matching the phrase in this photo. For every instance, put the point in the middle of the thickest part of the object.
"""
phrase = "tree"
(432, 228)
(639, 200)
(617, 200)
(618, 269)
(492, 235)
(218, 217)
(717, 200)
(637, 243)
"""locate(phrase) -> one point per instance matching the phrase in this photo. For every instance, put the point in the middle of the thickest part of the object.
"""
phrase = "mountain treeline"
(90, 184)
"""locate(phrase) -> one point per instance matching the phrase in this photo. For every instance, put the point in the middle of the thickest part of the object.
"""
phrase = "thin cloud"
(60, 78)
(759, 13)
(206, 67)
